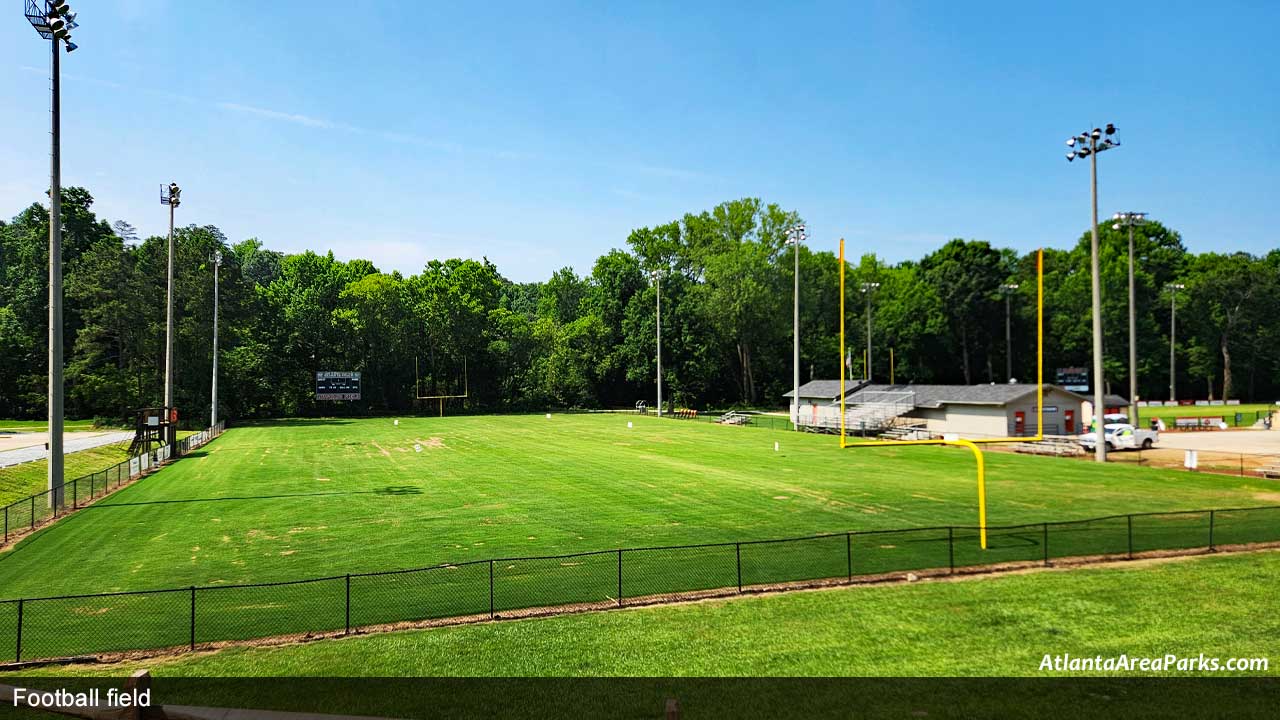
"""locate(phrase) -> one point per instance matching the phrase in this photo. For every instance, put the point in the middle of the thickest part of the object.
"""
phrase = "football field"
(295, 499)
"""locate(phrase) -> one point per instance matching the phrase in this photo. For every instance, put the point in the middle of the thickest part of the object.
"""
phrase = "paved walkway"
(33, 445)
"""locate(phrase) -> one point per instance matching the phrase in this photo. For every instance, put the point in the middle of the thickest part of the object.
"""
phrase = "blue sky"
(540, 134)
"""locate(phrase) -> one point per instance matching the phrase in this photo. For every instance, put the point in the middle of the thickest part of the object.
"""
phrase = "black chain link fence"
(187, 617)
(22, 517)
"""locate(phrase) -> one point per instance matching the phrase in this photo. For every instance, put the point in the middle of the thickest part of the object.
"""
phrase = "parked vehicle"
(1121, 436)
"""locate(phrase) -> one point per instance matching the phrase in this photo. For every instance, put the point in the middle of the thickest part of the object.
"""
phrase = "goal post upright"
(971, 443)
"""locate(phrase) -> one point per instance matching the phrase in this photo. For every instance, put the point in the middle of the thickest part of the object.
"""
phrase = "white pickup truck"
(1122, 436)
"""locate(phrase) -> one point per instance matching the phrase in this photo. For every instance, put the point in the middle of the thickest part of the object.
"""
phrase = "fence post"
(33, 512)
(951, 548)
(738, 549)
(75, 495)
(6, 523)
(619, 578)
(1045, 529)
(348, 630)
(848, 553)
(193, 617)
(1211, 548)
(18, 655)
(491, 613)
(1130, 519)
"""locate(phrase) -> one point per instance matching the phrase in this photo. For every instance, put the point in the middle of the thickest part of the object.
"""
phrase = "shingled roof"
(829, 389)
(935, 396)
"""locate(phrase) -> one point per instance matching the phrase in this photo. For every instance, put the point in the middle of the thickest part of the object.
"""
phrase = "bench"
(1270, 472)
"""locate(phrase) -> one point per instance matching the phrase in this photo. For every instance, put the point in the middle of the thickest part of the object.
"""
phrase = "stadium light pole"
(867, 289)
(171, 196)
(795, 236)
(54, 21)
(217, 263)
(1090, 144)
(1173, 326)
(657, 289)
(1007, 290)
(1129, 220)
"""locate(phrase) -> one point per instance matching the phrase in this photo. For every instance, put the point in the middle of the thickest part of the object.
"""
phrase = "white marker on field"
(417, 447)
(548, 416)
(775, 446)
(395, 422)
(629, 423)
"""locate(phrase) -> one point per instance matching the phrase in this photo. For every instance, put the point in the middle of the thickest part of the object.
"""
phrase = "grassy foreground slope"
(1220, 606)
(298, 499)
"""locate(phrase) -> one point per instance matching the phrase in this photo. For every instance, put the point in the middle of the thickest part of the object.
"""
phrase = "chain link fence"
(24, 516)
(188, 617)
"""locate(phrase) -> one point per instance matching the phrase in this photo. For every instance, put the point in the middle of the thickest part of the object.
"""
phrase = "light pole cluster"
(213, 414)
(171, 196)
(657, 291)
(1090, 144)
(796, 235)
(1173, 327)
(1130, 220)
(867, 289)
(1007, 290)
(53, 20)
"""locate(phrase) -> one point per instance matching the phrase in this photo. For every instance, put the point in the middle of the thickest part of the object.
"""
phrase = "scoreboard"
(1075, 379)
(337, 385)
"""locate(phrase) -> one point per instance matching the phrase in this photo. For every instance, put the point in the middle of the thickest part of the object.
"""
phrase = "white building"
(970, 411)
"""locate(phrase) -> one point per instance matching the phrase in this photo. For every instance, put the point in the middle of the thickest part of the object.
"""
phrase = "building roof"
(827, 389)
(935, 396)
(1112, 400)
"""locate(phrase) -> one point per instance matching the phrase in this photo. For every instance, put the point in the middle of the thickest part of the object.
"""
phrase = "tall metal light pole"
(1129, 220)
(1007, 290)
(171, 196)
(217, 263)
(795, 236)
(657, 288)
(54, 21)
(1089, 144)
(867, 289)
(1173, 327)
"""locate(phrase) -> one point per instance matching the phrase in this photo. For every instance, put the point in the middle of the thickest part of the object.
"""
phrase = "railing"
(25, 516)
(187, 617)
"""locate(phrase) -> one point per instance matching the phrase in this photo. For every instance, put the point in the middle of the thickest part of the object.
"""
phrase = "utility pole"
(867, 289)
(1129, 219)
(657, 287)
(1173, 328)
(1091, 144)
(171, 196)
(1007, 290)
(217, 263)
(54, 21)
(795, 235)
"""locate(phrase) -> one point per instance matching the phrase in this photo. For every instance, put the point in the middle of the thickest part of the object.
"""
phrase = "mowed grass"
(991, 626)
(19, 481)
(299, 499)
(1227, 412)
(7, 426)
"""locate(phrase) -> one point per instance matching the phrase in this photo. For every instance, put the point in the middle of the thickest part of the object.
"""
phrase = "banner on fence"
(135, 466)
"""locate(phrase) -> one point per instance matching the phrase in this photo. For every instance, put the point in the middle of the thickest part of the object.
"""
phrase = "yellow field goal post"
(970, 443)
(417, 386)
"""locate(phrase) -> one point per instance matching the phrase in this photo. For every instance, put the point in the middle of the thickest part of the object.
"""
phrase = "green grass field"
(42, 425)
(303, 499)
(1221, 606)
(1228, 412)
(19, 481)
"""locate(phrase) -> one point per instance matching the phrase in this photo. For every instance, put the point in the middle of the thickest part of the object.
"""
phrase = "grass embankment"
(994, 626)
(19, 481)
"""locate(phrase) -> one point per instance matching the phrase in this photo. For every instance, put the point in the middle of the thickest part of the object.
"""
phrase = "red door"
(1071, 421)
(1019, 422)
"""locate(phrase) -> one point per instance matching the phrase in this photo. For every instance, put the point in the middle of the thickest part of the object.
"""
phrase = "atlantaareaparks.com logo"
(1167, 663)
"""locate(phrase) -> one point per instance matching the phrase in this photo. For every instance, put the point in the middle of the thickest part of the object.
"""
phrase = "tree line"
(588, 340)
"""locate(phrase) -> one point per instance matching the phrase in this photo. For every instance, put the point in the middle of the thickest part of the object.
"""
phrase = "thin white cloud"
(277, 115)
